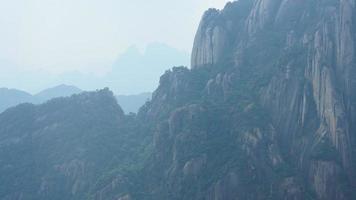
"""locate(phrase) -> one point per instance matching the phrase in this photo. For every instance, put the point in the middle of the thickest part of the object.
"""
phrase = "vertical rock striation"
(310, 95)
(267, 111)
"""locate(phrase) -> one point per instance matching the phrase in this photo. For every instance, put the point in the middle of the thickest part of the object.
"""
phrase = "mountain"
(57, 91)
(135, 71)
(58, 150)
(120, 74)
(13, 97)
(132, 103)
(267, 111)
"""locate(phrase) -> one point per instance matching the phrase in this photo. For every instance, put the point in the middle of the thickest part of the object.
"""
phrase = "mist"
(80, 42)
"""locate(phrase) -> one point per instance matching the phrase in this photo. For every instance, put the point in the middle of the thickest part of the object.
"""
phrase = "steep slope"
(266, 112)
(268, 109)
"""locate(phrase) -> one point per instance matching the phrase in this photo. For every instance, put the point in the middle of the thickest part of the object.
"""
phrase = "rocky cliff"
(294, 61)
(267, 111)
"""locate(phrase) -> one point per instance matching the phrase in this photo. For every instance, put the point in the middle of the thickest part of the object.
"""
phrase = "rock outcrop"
(310, 47)
(210, 41)
(217, 34)
(267, 111)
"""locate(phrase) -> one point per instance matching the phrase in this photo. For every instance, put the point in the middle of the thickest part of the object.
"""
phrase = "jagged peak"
(211, 12)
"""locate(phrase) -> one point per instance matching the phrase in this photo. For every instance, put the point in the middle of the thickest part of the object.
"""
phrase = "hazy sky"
(60, 36)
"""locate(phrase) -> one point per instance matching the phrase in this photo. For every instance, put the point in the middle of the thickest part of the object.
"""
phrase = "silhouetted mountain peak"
(58, 91)
(265, 112)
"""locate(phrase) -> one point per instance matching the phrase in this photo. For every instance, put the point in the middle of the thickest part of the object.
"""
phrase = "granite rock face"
(310, 94)
(267, 111)
(210, 41)
(218, 32)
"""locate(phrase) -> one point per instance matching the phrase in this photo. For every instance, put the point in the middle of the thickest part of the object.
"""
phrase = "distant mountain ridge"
(267, 112)
(13, 97)
(58, 91)
(135, 70)
(120, 74)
